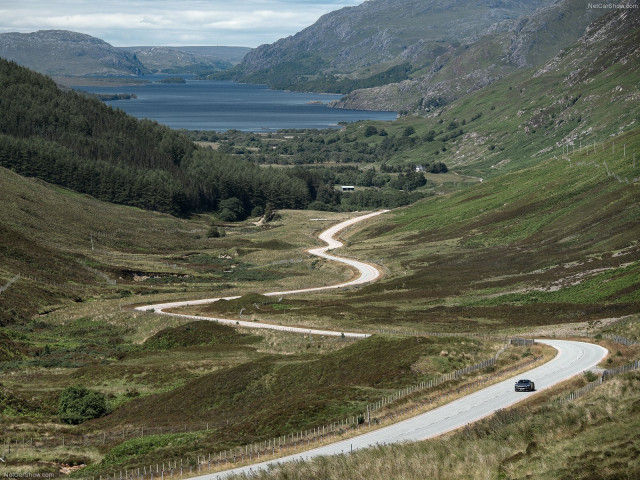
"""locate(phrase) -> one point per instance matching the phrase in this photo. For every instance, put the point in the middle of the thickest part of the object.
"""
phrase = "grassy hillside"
(554, 243)
(47, 237)
(580, 440)
(71, 248)
(587, 93)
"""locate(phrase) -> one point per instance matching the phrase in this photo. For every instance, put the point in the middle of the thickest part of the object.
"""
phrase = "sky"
(246, 23)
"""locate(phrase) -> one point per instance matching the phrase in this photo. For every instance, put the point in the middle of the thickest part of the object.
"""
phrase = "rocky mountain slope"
(586, 95)
(187, 59)
(60, 52)
(65, 53)
(378, 31)
(504, 48)
(412, 56)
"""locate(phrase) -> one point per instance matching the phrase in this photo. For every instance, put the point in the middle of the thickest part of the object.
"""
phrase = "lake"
(222, 106)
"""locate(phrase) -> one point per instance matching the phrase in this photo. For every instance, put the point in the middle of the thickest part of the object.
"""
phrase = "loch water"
(222, 106)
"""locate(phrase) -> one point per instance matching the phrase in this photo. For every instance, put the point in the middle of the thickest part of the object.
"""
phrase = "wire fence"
(622, 340)
(606, 375)
(97, 273)
(60, 286)
(612, 372)
(590, 148)
(289, 444)
(370, 413)
(419, 333)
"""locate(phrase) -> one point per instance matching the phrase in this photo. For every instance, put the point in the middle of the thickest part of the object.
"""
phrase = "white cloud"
(170, 22)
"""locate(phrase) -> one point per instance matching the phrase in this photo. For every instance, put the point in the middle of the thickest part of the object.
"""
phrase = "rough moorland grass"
(70, 248)
(592, 438)
(553, 243)
(627, 328)
(86, 335)
(299, 392)
(211, 440)
(197, 333)
(23, 462)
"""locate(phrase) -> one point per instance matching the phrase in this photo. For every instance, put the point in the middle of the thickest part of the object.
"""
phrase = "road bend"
(366, 273)
(572, 359)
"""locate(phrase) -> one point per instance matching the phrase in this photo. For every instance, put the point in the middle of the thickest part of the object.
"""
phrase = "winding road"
(367, 273)
(572, 359)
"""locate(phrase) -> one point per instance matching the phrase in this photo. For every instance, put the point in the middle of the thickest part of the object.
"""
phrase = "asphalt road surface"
(572, 359)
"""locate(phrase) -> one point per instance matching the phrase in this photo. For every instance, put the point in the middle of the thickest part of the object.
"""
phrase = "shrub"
(408, 131)
(78, 404)
(370, 131)
(257, 211)
(231, 210)
(429, 137)
(216, 232)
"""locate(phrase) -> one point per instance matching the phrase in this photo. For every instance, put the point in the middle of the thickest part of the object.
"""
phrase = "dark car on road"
(525, 386)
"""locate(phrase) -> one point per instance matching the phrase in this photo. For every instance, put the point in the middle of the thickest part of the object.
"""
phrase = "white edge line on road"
(369, 273)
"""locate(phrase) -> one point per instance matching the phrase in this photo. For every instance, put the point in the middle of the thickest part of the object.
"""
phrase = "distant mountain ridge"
(188, 59)
(378, 31)
(60, 52)
(414, 55)
(233, 55)
(66, 53)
